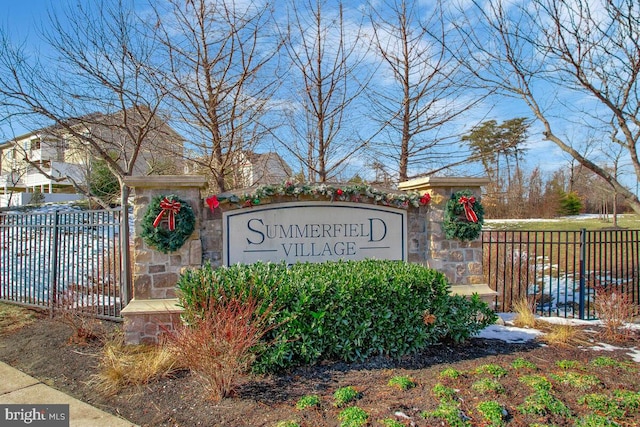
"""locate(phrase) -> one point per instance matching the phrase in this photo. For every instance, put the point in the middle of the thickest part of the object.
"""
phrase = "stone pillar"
(155, 274)
(460, 261)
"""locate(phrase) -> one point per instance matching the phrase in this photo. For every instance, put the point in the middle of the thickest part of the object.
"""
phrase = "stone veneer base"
(146, 320)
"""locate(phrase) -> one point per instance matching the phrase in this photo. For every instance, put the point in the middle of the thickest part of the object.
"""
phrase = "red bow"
(467, 203)
(172, 208)
(425, 199)
(213, 202)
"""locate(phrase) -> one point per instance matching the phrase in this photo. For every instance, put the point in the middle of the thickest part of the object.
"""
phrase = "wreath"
(180, 223)
(463, 216)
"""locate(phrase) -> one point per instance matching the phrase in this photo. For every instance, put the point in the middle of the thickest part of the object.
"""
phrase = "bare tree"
(324, 54)
(91, 86)
(422, 88)
(218, 69)
(575, 64)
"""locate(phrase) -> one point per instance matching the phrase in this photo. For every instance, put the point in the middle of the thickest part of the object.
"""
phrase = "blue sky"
(22, 18)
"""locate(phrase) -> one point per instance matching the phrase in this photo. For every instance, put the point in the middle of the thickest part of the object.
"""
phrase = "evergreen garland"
(347, 193)
(160, 237)
(456, 225)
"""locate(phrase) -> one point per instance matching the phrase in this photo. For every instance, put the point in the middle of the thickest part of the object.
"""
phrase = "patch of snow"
(635, 354)
(510, 334)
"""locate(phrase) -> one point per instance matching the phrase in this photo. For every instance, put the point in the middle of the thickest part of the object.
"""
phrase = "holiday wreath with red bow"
(168, 223)
(463, 216)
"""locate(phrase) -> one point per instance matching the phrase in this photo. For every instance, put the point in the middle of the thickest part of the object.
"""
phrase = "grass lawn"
(588, 222)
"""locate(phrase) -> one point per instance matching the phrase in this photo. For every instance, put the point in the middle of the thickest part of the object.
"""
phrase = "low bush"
(341, 310)
(220, 344)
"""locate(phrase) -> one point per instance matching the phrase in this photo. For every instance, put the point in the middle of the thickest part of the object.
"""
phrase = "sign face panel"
(314, 232)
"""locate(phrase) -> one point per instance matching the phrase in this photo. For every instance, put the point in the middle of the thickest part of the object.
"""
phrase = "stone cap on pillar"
(166, 181)
(429, 182)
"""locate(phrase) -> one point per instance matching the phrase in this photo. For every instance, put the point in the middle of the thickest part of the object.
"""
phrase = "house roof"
(96, 118)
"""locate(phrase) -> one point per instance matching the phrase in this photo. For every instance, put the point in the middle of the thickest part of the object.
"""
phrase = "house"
(55, 161)
(260, 169)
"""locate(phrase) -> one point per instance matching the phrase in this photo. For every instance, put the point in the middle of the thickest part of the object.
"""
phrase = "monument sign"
(314, 232)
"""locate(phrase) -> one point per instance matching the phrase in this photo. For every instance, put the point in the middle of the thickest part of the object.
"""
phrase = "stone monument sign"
(314, 232)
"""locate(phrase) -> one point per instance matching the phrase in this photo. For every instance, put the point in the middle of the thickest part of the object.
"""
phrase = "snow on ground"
(505, 331)
(558, 219)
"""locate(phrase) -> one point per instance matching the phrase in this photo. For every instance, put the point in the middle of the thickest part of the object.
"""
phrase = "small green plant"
(495, 370)
(402, 382)
(450, 373)
(492, 412)
(288, 423)
(542, 402)
(575, 380)
(606, 362)
(595, 420)
(308, 401)
(617, 405)
(390, 422)
(344, 395)
(449, 410)
(629, 400)
(443, 392)
(353, 417)
(486, 385)
(569, 364)
(536, 382)
(603, 404)
(522, 363)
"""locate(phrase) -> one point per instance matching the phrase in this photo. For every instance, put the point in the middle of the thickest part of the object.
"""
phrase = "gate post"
(460, 261)
(155, 274)
(53, 286)
(583, 257)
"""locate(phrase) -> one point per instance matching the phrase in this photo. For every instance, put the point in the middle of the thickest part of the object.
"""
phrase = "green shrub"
(344, 395)
(575, 380)
(402, 382)
(494, 370)
(353, 417)
(450, 373)
(486, 385)
(449, 411)
(492, 412)
(570, 204)
(595, 420)
(521, 363)
(308, 401)
(618, 405)
(443, 392)
(341, 310)
(569, 364)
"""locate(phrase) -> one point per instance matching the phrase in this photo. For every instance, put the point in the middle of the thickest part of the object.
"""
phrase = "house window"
(35, 144)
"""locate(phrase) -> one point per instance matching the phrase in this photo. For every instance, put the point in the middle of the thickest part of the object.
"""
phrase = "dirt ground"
(42, 349)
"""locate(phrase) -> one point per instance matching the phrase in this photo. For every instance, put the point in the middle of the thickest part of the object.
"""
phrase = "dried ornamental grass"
(219, 346)
(123, 365)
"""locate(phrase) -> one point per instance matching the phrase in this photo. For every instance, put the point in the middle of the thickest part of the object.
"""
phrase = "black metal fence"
(62, 260)
(560, 272)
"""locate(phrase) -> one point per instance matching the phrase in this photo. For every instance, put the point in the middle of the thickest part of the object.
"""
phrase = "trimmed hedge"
(342, 310)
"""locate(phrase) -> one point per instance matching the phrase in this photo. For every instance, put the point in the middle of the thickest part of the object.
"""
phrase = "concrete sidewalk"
(18, 387)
